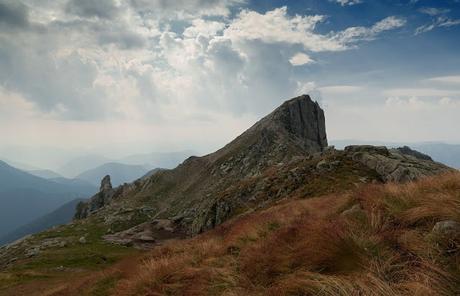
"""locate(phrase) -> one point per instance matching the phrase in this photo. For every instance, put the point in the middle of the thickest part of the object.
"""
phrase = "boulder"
(447, 228)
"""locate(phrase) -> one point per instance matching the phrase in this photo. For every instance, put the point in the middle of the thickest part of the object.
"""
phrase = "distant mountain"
(120, 173)
(74, 182)
(61, 215)
(81, 164)
(25, 197)
(46, 174)
(167, 160)
(448, 154)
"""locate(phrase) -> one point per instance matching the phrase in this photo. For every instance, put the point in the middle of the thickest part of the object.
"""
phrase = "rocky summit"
(284, 152)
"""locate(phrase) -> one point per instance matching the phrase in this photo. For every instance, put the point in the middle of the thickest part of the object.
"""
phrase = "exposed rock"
(406, 150)
(82, 240)
(393, 165)
(447, 236)
(99, 200)
(447, 227)
(324, 165)
(147, 235)
(105, 184)
(32, 252)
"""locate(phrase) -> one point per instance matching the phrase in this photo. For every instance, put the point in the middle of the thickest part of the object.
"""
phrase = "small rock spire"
(106, 184)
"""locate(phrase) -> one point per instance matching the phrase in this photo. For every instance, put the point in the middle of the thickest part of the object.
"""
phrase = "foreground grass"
(376, 240)
(68, 262)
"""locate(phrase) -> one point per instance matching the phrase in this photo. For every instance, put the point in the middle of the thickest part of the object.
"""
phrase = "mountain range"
(25, 197)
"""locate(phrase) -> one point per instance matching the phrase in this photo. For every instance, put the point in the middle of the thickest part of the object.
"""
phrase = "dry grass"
(310, 247)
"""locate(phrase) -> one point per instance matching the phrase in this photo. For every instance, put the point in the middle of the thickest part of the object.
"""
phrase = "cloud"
(185, 9)
(104, 9)
(433, 11)
(204, 28)
(439, 20)
(276, 26)
(446, 79)
(347, 2)
(300, 59)
(355, 34)
(420, 92)
(13, 14)
(339, 89)
(165, 61)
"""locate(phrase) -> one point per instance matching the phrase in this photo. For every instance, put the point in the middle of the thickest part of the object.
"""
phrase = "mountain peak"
(300, 119)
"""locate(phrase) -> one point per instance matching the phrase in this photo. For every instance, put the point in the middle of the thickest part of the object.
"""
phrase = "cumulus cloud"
(300, 59)
(162, 60)
(277, 26)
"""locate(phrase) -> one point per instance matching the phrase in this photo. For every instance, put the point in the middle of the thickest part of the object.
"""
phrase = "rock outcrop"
(395, 165)
(99, 200)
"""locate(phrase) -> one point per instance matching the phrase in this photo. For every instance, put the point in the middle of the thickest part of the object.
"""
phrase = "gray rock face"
(395, 165)
(99, 200)
(303, 119)
(447, 227)
(408, 151)
(146, 235)
(105, 184)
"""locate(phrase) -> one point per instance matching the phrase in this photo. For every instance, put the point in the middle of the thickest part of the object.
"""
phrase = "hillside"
(272, 212)
(372, 240)
(25, 197)
(120, 173)
(375, 240)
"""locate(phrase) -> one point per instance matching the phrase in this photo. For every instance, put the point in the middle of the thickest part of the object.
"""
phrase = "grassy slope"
(56, 265)
(306, 247)
(296, 247)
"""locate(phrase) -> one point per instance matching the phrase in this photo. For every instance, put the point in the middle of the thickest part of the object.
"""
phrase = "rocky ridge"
(290, 143)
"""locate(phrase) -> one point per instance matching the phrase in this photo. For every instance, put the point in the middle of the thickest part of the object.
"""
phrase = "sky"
(117, 77)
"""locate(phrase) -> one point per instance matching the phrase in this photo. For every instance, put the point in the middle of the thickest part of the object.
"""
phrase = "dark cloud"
(103, 9)
(13, 14)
